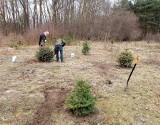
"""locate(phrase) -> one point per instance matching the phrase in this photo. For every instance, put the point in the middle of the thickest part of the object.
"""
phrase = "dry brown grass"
(24, 84)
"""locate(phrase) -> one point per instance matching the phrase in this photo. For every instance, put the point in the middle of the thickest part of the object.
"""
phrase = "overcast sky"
(113, 0)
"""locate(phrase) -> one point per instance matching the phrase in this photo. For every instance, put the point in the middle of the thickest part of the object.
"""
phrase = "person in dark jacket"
(42, 38)
(59, 48)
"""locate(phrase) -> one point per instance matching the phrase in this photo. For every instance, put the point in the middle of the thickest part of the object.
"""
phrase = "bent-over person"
(42, 38)
(59, 49)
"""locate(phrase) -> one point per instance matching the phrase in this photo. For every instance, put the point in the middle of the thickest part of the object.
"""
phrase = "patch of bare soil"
(151, 62)
(92, 119)
(33, 61)
(103, 66)
(54, 101)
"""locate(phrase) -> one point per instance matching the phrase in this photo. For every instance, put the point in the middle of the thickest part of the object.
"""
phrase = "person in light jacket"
(59, 49)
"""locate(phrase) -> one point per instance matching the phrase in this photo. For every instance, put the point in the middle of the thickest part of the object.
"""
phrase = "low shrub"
(81, 101)
(68, 39)
(125, 59)
(16, 44)
(86, 47)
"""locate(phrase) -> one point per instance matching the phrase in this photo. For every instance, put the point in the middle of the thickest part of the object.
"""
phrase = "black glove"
(63, 44)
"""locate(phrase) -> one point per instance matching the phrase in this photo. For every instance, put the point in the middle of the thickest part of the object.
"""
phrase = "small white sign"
(72, 55)
(14, 58)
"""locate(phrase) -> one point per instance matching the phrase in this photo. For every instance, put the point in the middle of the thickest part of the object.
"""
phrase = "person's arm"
(63, 43)
(44, 38)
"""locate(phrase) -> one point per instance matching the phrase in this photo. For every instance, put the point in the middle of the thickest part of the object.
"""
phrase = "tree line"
(148, 12)
(83, 19)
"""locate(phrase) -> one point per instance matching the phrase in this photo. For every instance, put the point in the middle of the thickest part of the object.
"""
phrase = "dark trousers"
(41, 44)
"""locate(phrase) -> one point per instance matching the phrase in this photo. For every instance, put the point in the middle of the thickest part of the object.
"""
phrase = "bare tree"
(35, 15)
(25, 15)
(54, 6)
(85, 19)
(48, 11)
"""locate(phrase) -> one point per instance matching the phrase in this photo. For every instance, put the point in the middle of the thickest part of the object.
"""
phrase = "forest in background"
(80, 19)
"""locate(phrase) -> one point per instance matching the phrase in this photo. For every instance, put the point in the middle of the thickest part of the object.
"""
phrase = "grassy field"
(33, 93)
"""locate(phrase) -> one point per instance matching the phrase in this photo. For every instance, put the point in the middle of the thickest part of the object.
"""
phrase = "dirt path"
(54, 102)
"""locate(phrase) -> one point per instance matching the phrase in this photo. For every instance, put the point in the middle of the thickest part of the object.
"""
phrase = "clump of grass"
(16, 44)
(157, 46)
(113, 40)
(53, 40)
(68, 39)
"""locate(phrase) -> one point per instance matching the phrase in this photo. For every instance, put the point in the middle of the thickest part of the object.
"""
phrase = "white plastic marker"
(14, 58)
(72, 55)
